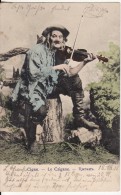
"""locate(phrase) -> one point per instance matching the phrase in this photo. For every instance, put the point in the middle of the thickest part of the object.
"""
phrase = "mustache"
(56, 42)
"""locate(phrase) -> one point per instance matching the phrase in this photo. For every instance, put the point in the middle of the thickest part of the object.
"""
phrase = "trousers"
(72, 87)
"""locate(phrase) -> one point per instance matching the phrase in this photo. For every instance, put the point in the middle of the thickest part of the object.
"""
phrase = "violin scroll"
(102, 58)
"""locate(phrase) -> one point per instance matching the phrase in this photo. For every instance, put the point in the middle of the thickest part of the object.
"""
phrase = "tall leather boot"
(29, 126)
(78, 112)
(31, 122)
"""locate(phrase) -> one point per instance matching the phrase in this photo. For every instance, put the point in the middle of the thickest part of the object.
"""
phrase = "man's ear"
(38, 38)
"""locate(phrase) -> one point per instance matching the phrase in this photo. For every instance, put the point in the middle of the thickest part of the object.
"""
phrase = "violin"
(80, 54)
(62, 56)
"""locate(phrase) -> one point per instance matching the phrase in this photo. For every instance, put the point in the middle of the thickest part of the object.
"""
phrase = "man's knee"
(43, 110)
(40, 114)
(77, 95)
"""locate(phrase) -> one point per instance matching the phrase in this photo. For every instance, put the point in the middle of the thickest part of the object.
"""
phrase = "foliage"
(105, 95)
(69, 121)
(5, 120)
(2, 73)
(3, 100)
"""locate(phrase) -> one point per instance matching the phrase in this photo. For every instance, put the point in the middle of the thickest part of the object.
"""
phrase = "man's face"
(56, 39)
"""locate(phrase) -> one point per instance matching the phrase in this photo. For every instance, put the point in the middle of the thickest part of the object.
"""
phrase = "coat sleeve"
(37, 67)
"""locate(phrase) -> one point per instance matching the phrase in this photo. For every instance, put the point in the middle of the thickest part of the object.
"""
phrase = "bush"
(105, 98)
(69, 121)
(2, 73)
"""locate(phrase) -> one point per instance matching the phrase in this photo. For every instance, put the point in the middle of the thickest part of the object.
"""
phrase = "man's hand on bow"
(63, 67)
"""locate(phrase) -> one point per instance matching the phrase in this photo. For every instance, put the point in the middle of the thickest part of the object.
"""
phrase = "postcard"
(60, 97)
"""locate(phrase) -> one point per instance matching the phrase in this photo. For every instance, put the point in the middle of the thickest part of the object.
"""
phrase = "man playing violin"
(46, 74)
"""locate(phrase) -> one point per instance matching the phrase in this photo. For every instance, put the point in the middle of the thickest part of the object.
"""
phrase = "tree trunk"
(53, 126)
(13, 52)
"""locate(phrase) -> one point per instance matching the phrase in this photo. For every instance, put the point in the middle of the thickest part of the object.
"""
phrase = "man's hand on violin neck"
(89, 58)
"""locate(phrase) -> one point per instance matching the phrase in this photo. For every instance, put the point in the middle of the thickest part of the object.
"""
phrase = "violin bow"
(100, 57)
(76, 38)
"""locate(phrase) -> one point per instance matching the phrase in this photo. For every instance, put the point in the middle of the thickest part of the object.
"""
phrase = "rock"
(39, 134)
(5, 134)
(2, 112)
(86, 136)
(8, 135)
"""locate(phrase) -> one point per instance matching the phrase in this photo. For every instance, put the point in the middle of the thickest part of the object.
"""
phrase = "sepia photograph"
(60, 96)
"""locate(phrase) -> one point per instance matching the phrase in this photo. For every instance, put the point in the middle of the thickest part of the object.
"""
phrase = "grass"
(61, 153)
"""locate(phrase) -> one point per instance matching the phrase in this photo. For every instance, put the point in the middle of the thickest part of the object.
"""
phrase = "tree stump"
(53, 126)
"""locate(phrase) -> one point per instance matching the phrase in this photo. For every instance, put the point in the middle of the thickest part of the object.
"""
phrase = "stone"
(86, 136)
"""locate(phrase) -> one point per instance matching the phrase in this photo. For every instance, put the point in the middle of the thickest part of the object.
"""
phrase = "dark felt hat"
(62, 29)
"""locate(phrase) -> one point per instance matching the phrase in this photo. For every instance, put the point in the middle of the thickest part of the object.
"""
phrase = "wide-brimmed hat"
(62, 29)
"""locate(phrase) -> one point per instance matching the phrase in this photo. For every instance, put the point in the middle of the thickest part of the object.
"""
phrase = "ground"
(61, 153)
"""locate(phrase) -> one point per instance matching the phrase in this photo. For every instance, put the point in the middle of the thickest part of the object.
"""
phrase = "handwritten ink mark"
(16, 7)
(34, 8)
(29, 178)
(28, 9)
(60, 8)
(93, 11)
